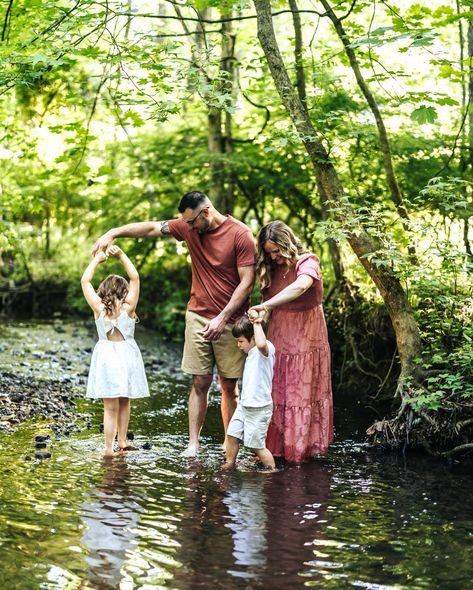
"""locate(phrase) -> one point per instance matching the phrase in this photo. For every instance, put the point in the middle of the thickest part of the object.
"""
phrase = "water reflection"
(155, 521)
(110, 517)
(251, 530)
(245, 500)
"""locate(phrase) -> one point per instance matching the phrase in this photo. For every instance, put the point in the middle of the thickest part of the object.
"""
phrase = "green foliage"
(447, 359)
(105, 121)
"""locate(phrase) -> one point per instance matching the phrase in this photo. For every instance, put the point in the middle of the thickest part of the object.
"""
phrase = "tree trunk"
(466, 152)
(334, 250)
(222, 182)
(397, 304)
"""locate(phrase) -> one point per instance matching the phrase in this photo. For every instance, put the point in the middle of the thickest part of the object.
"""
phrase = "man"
(222, 252)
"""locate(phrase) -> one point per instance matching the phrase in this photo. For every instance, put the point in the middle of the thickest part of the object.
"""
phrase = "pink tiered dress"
(302, 422)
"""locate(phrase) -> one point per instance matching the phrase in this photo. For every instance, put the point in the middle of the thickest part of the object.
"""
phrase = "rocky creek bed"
(44, 367)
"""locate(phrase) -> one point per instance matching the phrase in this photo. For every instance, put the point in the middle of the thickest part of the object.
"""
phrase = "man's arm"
(141, 229)
(216, 326)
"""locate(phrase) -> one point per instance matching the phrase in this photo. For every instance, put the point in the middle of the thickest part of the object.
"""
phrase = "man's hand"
(214, 328)
(102, 243)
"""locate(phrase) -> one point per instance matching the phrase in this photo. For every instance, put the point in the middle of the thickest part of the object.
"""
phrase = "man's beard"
(205, 227)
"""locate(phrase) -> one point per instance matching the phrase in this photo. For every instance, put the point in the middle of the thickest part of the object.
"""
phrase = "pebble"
(42, 437)
(42, 455)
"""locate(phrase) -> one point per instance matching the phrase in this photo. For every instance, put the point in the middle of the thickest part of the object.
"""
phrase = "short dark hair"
(243, 327)
(192, 200)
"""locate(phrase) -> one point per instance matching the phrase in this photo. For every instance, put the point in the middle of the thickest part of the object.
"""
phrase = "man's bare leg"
(229, 389)
(198, 401)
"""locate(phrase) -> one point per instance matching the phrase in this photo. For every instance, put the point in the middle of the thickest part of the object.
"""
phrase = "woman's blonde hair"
(290, 247)
(113, 291)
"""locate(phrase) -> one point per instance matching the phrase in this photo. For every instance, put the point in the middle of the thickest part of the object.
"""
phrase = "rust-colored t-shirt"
(216, 256)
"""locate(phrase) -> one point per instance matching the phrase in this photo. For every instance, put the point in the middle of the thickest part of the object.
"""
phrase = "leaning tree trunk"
(334, 249)
(395, 299)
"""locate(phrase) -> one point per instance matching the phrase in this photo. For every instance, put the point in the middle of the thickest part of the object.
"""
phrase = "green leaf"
(424, 114)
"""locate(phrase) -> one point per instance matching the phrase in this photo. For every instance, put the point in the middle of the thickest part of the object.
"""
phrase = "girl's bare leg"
(110, 423)
(123, 420)
(265, 457)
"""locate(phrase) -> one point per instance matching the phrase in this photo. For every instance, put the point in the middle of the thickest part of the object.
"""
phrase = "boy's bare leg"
(110, 423)
(123, 421)
(231, 451)
(198, 401)
(265, 457)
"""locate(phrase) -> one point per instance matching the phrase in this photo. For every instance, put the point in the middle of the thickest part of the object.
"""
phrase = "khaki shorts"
(251, 425)
(200, 355)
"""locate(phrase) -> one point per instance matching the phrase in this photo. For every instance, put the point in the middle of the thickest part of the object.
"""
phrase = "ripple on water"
(151, 519)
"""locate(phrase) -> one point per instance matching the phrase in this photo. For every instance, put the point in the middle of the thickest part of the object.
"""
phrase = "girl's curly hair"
(113, 291)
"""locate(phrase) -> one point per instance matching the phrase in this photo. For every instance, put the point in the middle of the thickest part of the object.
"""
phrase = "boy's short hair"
(243, 327)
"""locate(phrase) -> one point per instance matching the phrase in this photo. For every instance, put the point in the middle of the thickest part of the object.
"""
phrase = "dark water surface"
(152, 520)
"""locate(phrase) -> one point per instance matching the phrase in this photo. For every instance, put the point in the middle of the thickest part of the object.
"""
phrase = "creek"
(150, 519)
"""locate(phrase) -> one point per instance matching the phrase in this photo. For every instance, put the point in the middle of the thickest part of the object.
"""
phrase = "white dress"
(116, 368)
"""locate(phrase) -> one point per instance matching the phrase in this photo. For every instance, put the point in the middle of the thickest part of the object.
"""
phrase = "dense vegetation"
(351, 122)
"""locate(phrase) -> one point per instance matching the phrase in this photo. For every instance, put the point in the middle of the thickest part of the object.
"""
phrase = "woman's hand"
(260, 312)
(113, 250)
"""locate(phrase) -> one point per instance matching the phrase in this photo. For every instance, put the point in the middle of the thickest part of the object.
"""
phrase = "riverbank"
(44, 367)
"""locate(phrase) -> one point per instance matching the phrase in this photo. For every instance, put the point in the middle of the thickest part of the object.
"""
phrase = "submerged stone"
(41, 437)
(42, 455)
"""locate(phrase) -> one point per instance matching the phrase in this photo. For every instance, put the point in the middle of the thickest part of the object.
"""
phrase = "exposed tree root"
(440, 433)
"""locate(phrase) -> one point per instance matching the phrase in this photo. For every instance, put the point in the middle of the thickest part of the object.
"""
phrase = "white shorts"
(251, 425)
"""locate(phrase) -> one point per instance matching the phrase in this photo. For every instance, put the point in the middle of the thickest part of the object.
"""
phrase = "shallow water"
(151, 520)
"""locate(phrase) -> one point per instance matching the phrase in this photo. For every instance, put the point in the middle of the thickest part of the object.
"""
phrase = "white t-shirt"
(258, 378)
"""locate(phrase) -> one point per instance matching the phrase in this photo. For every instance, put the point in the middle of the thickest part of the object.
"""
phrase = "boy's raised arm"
(260, 337)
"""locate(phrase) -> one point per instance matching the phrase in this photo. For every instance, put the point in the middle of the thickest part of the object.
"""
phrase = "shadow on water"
(151, 519)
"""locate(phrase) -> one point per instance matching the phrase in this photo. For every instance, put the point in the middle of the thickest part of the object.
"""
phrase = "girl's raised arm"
(133, 276)
(89, 292)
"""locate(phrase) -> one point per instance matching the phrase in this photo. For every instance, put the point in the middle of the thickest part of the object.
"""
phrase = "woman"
(291, 285)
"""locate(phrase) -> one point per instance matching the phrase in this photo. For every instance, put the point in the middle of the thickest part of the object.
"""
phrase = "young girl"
(117, 372)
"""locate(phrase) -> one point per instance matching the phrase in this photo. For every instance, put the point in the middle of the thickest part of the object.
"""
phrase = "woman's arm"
(289, 293)
(89, 292)
(133, 276)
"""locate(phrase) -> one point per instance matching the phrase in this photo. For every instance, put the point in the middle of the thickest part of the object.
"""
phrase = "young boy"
(251, 419)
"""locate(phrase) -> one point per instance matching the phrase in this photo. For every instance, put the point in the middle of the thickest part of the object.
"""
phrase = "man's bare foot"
(191, 451)
(109, 453)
